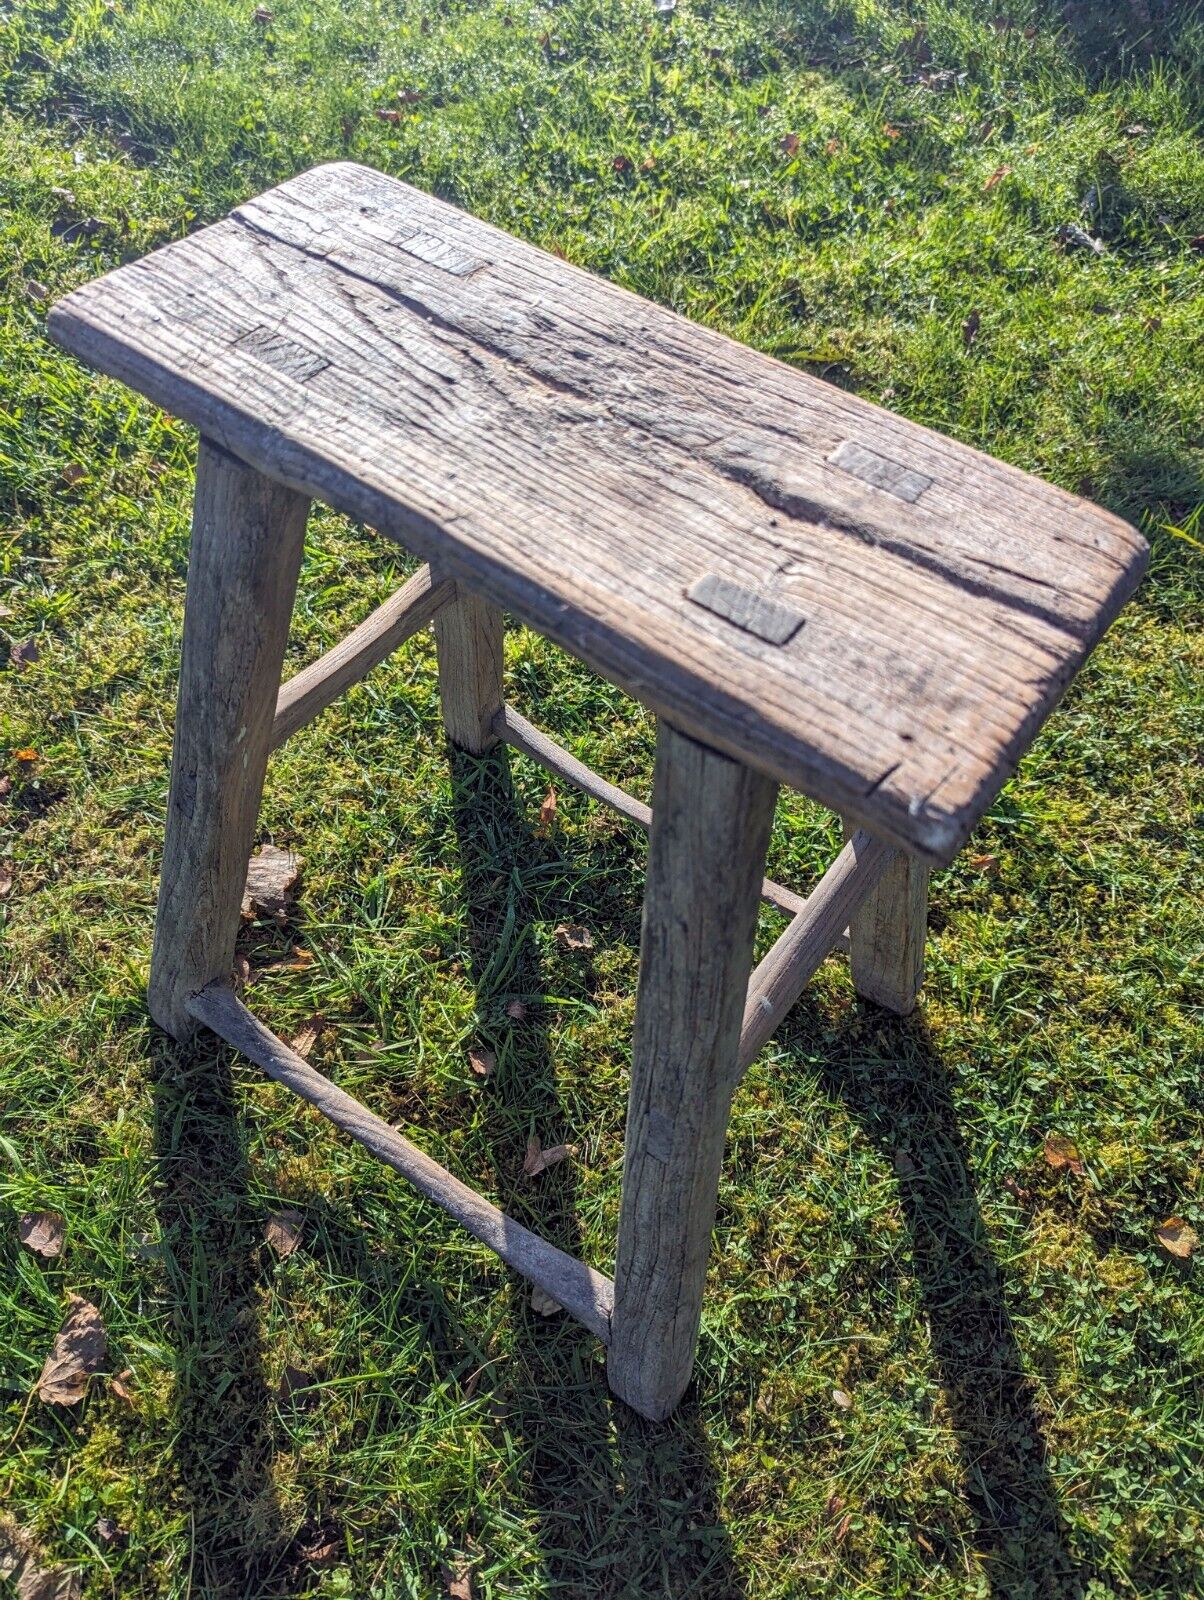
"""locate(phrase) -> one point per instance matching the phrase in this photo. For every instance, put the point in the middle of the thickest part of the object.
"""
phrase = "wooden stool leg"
(247, 537)
(468, 641)
(887, 933)
(711, 819)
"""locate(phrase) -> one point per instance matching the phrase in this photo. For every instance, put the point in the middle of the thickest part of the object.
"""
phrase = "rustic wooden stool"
(806, 589)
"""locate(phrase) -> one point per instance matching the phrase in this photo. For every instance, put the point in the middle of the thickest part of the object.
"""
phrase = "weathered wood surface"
(469, 645)
(584, 458)
(315, 687)
(793, 959)
(584, 1293)
(512, 726)
(887, 935)
(247, 537)
(711, 819)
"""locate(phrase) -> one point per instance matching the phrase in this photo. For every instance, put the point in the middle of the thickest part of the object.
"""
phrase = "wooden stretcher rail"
(509, 725)
(584, 1293)
(390, 625)
(792, 961)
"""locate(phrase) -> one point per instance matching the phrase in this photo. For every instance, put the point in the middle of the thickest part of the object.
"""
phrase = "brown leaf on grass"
(320, 1544)
(789, 144)
(120, 1388)
(6, 881)
(311, 1031)
(387, 114)
(75, 473)
(516, 1010)
(834, 1505)
(841, 1532)
(970, 328)
(482, 1061)
(984, 863)
(26, 757)
(1062, 1152)
(648, 164)
(6, 786)
(621, 164)
(24, 654)
(1177, 1238)
(107, 1531)
(79, 1350)
(891, 131)
(36, 291)
(48, 1583)
(409, 97)
(42, 1231)
(904, 1166)
(1198, 242)
(242, 971)
(571, 936)
(842, 1399)
(538, 1159)
(293, 1380)
(542, 1303)
(832, 148)
(297, 960)
(996, 178)
(263, 16)
(457, 1585)
(547, 811)
(282, 1231)
(271, 879)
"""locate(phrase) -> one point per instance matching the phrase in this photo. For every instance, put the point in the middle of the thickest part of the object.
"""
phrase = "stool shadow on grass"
(620, 1502)
(211, 1258)
(901, 1096)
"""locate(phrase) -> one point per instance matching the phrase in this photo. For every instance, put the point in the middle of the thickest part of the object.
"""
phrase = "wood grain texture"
(582, 458)
(247, 537)
(584, 1293)
(468, 643)
(887, 935)
(512, 726)
(315, 687)
(711, 819)
(792, 961)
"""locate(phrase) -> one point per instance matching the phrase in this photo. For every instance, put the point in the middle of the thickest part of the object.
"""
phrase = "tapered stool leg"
(887, 933)
(468, 643)
(247, 537)
(711, 819)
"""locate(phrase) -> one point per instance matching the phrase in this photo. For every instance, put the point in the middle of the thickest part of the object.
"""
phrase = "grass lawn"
(931, 1363)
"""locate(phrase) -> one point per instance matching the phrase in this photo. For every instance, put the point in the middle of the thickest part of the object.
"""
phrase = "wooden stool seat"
(806, 589)
(859, 607)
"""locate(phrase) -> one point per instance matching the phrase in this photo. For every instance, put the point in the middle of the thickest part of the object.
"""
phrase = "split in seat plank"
(854, 605)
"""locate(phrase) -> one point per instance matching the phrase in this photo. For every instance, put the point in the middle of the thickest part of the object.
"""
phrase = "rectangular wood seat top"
(866, 610)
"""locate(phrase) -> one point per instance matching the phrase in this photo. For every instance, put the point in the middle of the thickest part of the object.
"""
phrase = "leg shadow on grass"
(625, 1509)
(222, 1430)
(900, 1094)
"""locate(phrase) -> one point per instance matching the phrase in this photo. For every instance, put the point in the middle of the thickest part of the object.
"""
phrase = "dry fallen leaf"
(538, 1159)
(1177, 1238)
(571, 936)
(516, 1010)
(292, 1381)
(970, 328)
(263, 16)
(840, 1398)
(107, 1531)
(42, 1231)
(48, 1583)
(904, 1166)
(542, 1303)
(242, 971)
(296, 961)
(119, 1386)
(984, 863)
(26, 757)
(387, 114)
(458, 1584)
(24, 654)
(78, 1351)
(282, 1231)
(409, 97)
(320, 1545)
(36, 291)
(1063, 1152)
(996, 178)
(547, 811)
(482, 1061)
(789, 143)
(840, 1533)
(74, 473)
(309, 1035)
(271, 878)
